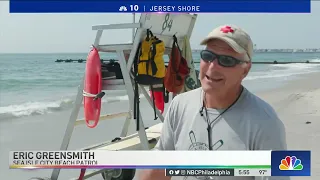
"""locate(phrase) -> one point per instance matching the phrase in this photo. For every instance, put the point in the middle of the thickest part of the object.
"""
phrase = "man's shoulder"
(192, 92)
(270, 130)
(183, 102)
(190, 96)
(260, 109)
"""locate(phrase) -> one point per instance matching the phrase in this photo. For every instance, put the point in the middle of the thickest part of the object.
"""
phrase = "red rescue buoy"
(158, 100)
(92, 89)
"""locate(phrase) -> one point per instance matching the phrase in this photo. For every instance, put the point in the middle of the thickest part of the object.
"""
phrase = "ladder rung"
(114, 47)
(116, 26)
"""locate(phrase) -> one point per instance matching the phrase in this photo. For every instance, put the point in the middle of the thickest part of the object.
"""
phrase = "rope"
(95, 96)
(86, 94)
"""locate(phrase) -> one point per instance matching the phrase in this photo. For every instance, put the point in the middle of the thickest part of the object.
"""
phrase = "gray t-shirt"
(250, 124)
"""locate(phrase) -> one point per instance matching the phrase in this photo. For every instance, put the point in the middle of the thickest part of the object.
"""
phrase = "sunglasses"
(223, 60)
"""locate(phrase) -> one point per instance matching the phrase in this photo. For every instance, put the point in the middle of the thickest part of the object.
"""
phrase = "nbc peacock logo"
(290, 163)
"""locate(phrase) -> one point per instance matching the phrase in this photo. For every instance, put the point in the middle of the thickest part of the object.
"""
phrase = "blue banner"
(141, 6)
(291, 163)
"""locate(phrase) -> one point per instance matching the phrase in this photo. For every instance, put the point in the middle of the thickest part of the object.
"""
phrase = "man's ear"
(246, 69)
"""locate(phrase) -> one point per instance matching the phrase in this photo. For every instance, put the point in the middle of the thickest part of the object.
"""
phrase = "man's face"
(215, 78)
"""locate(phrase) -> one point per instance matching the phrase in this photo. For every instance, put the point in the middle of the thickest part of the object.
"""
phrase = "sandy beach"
(297, 104)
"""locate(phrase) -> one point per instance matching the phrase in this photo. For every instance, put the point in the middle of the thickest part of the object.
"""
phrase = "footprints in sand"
(303, 107)
(296, 96)
(308, 100)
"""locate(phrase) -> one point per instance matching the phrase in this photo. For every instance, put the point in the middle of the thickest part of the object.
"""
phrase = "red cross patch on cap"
(227, 29)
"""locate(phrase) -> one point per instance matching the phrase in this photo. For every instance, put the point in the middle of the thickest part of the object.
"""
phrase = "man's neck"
(222, 100)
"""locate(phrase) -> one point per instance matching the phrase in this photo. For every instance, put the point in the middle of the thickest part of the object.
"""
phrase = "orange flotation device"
(92, 89)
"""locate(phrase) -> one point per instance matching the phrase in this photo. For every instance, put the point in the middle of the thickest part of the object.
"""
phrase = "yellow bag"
(151, 67)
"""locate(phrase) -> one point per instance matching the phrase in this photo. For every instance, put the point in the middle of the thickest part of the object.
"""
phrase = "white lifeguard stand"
(162, 25)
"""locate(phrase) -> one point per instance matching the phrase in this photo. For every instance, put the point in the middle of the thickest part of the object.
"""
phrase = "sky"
(54, 33)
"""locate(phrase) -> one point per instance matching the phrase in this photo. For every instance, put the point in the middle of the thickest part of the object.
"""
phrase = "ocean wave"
(297, 66)
(40, 108)
(315, 60)
(285, 70)
(33, 108)
(272, 75)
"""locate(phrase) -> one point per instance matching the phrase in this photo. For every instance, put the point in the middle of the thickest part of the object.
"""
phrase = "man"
(222, 114)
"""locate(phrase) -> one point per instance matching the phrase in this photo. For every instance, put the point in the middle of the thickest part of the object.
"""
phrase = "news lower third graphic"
(290, 163)
(259, 163)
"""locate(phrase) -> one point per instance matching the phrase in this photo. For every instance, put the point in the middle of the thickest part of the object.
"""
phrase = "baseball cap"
(236, 37)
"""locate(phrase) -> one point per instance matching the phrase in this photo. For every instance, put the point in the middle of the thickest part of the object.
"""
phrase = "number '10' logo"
(134, 7)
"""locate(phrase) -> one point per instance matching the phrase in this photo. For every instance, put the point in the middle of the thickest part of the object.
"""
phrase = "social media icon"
(171, 172)
(183, 172)
(177, 172)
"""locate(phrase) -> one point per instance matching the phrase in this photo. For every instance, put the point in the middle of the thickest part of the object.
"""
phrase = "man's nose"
(214, 64)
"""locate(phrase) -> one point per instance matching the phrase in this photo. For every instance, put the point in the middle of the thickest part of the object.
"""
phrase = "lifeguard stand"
(162, 25)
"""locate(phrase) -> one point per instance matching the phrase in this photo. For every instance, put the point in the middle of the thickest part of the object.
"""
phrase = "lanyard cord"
(209, 128)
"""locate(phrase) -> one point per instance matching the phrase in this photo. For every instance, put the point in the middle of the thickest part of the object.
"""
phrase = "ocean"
(34, 84)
